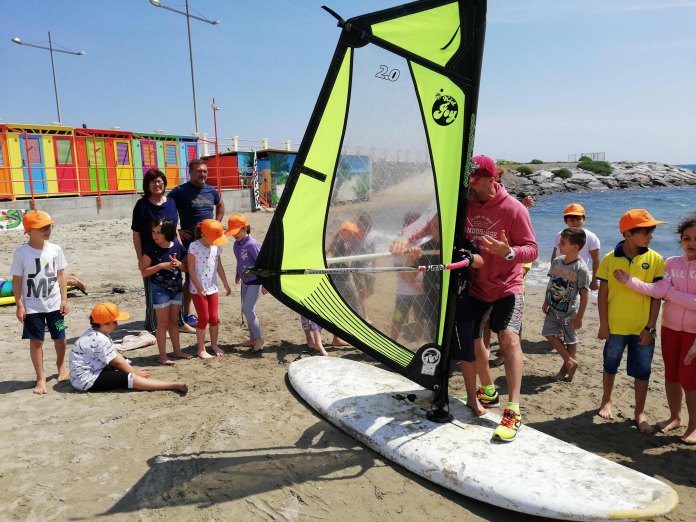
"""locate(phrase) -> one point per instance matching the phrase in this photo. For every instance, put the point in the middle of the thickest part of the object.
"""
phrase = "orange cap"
(637, 217)
(36, 219)
(212, 231)
(574, 209)
(106, 312)
(350, 227)
(236, 223)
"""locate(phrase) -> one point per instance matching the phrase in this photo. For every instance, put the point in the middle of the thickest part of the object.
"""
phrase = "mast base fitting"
(439, 415)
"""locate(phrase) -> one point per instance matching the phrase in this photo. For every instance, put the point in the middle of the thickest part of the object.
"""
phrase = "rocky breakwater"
(549, 178)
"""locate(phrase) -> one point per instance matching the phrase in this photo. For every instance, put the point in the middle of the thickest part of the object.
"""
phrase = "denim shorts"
(163, 296)
(639, 362)
(35, 325)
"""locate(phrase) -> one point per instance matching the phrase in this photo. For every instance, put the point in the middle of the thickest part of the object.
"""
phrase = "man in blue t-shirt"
(195, 200)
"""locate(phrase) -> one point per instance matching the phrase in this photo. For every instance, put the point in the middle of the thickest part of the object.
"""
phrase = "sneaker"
(488, 401)
(192, 320)
(509, 425)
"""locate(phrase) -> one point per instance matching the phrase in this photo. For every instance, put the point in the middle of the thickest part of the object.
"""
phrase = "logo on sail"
(430, 358)
(445, 109)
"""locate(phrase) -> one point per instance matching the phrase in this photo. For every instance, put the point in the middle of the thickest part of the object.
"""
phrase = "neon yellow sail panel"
(380, 181)
(425, 33)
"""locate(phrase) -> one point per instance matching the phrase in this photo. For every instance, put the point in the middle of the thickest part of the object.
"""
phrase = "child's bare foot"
(321, 350)
(248, 343)
(204, 355)
(187, 328)
(337, 341)
(63, 374)
(643, 424)
(690, 436)
(605, 410)
(40, 388)
(181, 355)
(165, 362)
(257, 346)
(668, 425)
(219, 352)
(475, 405)
(573, 366)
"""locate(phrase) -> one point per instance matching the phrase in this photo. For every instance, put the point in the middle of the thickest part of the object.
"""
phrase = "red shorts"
(675, 346)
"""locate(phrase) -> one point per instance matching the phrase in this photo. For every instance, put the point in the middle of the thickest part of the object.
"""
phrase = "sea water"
(603, 210)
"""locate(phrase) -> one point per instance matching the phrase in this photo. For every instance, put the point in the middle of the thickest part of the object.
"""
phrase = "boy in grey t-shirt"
(566, 299)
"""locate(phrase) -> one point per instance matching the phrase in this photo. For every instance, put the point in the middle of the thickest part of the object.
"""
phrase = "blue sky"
(559, 77)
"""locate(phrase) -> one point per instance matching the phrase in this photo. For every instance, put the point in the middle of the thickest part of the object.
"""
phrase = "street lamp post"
(188, 16)
(53, 65)
(217, 152)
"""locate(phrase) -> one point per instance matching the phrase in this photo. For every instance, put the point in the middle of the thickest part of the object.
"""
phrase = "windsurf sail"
(385, 160)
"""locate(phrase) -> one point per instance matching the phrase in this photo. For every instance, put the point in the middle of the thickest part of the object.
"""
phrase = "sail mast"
(473, 15)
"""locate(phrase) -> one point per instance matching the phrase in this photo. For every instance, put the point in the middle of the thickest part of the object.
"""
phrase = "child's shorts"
(675, 346)
(112, 379)
(163, 297)
(559, 327)
(639, 361)
(309, 325)
(364, 283)
(35, 325)
(404, 304)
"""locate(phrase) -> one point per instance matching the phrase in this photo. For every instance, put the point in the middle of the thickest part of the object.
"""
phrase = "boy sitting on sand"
(627, 318)
(566, 299)
(40, 292)
(96, 365)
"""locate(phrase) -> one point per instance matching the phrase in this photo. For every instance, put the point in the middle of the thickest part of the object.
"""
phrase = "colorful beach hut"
(41, 160)
(223, 170)
(5, 178)
(105, 161)
(160, 151)
(188, 150)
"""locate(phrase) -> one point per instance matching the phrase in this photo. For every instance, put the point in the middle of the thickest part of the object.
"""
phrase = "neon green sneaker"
(509, 426)
(488, 401)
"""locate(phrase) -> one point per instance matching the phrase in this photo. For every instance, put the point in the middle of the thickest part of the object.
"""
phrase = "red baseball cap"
(483, 167)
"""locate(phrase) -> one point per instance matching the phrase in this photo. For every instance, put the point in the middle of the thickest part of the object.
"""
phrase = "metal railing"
(594, 156)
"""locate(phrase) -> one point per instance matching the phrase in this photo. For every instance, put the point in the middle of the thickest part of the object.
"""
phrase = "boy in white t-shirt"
(40, 292)
(574, 216)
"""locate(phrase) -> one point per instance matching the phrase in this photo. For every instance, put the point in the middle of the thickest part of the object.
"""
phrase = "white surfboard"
(525, 476)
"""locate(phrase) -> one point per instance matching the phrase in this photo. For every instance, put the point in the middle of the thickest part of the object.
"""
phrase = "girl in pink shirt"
(678, 289)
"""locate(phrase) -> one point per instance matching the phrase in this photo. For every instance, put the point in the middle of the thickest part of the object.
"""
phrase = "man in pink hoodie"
(500, 227)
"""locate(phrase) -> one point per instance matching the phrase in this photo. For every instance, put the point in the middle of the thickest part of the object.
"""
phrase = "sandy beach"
(241, 445)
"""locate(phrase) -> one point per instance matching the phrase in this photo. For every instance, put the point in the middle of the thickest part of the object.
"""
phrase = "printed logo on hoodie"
(479, 226)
